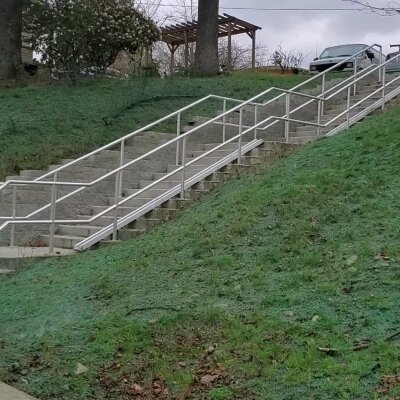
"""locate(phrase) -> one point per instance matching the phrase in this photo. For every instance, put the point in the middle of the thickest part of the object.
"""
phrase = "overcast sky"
(312, 31)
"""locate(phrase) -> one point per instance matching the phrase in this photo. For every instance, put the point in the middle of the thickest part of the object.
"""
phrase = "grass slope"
(42, 124)
(233, 299)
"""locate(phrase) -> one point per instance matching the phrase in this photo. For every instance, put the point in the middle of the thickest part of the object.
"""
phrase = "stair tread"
(81, 226)
(68, 237)
(151, 167)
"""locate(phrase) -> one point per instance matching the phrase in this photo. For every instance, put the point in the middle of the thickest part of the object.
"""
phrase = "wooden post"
(253, 52)
(229, 66)
(186, 50)
(172, 49)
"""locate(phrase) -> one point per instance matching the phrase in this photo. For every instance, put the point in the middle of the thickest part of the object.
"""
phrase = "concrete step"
(161, 185)
(302, 139)
(216, 153)
(127, 234)
(190, 170)
(209, 160)
(188, 174)
(228, 146)
(32, 173)
(6, 273)
(150, 193)
(123, 210)
(63, 241)
(204, 184)
(25, 196)
(250, 160)
(77, 230)
(100, 222)
(145, 223)
(162, 213)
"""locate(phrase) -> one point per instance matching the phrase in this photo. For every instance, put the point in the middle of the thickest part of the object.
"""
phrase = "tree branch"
(392, 8)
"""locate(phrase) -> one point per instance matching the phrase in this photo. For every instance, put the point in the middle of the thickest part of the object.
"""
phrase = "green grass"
(238, 292)
(42, 124)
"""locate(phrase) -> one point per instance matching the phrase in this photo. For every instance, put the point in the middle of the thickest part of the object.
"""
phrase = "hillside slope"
(280, 285)
(42, 124)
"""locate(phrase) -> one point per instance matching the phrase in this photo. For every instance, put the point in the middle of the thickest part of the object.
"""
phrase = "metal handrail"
(249, 102)
(287, 119)
(106, 231)
(180, 111)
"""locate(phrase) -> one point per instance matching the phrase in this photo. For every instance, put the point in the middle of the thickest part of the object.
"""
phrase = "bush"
(78, 35)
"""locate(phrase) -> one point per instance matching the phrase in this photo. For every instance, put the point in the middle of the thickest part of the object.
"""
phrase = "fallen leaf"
(137, 388)
(211, 349)
(80, 369)
(351, 260)
(208, 379)
(328, 350)
(289, 314)
(181, 364)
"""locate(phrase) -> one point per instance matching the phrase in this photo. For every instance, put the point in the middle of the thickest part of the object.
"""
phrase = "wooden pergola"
(228, 26)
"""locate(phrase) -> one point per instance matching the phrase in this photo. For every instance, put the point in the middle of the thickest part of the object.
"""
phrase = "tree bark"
(206, 59)
(10, 38)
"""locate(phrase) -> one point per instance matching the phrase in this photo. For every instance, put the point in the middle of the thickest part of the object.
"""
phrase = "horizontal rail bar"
(213, 120)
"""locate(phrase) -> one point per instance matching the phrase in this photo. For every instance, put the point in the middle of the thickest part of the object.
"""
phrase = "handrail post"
(383, 87)
(255, 121)
(121, 163)
(323, 93)
(184, 168)
(224, 123)
(319, 118)
(118, 190)
(348, 107)
(178, 132)
(14, 214)
(287, 122)
(116, 203)
(355, 75)
(53, 214)
(240, 136)
(380, 62)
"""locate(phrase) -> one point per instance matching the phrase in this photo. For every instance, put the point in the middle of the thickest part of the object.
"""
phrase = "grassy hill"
(42, 124)
(280, 285)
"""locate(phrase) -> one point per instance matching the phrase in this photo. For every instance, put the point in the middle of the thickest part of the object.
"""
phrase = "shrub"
(78, 35)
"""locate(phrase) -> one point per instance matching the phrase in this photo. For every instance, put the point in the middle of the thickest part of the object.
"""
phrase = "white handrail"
(251, 102)
(176, 113)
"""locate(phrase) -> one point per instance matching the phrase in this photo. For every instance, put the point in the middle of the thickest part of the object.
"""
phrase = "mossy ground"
(41, 124)
(235, 299)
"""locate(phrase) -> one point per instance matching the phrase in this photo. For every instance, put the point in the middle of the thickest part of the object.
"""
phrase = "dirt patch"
(388, 382)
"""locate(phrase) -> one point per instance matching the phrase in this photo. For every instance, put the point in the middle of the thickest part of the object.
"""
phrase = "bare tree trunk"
(206, 61)
(10, 38)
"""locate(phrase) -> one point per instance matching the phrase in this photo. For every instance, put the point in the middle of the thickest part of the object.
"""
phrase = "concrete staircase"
(161, 202)
(68, 236)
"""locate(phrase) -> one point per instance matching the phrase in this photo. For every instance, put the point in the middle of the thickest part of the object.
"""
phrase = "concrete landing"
(13, 257)
(32, 252)
(9, 393)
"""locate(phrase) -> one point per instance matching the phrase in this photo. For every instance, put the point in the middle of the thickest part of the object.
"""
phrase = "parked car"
(393, 66)
(336, 54)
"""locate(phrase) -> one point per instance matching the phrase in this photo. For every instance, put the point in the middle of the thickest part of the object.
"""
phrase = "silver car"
(336, 54)
(393, 66)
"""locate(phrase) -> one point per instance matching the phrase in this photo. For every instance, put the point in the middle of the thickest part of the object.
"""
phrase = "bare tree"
(392, 8)
(288, 59)
(241, 55)
(206, 60)
(10, 38)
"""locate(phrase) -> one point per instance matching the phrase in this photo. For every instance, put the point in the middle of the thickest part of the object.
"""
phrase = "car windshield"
(392, 55)
(341, 51)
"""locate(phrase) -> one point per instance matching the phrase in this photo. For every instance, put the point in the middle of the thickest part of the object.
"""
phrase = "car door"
(393, 66)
